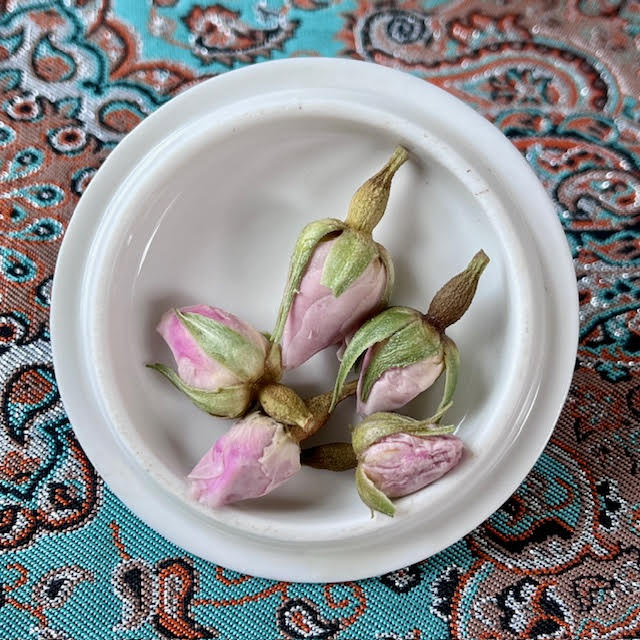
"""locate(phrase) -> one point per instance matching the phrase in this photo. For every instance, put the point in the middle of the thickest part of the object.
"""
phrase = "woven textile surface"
(561, 558)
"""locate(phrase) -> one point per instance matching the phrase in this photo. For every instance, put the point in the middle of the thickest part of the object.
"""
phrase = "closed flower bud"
(250, 460)
(403, 463)
(397, 385)
(398, 455)
(318, 318)
(219, 358)
(338, 275)
(406, 351)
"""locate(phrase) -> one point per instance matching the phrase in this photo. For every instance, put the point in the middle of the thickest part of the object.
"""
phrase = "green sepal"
(273, 364)
(383, 424)
(371, 495)
(413, 343)
(350, 255)
(387, 261)
(306, 243)
(379, 328)
(451, 367)
(224, 345)
(228, 402)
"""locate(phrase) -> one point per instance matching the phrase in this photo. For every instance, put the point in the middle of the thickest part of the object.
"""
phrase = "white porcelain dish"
(202, 203)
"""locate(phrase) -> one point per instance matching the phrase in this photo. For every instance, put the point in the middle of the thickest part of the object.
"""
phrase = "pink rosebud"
(251, 459)
(402, 463)
(398, 385)
(318, 319)
(203, 370)
(405, 350)
(338, 275)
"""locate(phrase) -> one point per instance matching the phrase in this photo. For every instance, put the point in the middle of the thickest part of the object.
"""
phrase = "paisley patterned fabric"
(561, 558)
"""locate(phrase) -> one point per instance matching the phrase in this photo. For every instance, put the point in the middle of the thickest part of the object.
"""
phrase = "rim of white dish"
(264, 555)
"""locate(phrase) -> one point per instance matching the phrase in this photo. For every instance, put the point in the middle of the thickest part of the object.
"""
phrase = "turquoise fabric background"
(561, 559)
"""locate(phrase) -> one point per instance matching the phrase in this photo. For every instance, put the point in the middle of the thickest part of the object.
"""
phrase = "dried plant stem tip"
(453, 299)
(369, 202)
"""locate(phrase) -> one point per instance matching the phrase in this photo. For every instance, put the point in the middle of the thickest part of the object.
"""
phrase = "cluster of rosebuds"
(337, 293)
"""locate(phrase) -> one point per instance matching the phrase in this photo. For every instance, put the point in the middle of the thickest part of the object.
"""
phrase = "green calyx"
(371, 495)
(306, 244)
(389, 269)
(369, 202)
(273, 364)
(284, 405)
(451, 367)
(378, 329)
(350, 255)
(224, 345)
(413, 343)
(383, 424)
(229, 402)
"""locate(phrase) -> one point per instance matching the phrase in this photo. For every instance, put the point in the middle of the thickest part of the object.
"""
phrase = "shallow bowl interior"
(213, 218)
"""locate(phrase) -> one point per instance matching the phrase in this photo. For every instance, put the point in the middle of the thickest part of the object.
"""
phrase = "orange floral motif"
(220, 35)
(16, 467)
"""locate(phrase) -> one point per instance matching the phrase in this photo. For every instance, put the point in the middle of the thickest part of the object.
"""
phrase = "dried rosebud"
(384, 388)
(219, 358)
(402, 464)
(398, 455)
(319, 317)
(251, 459)
(406, 351)
(338, 275)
